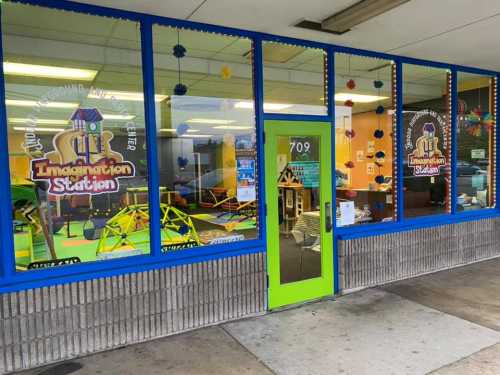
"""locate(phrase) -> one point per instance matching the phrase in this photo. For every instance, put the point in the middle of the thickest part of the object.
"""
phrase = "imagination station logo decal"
(82, 161)
(426, 154)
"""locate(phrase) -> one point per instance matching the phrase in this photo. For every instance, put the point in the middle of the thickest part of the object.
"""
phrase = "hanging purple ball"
(180, 89)
(380, 155)
(179, 51)
(378, 84)
(379, 179)
(380, 109)
(378, 133)
(182, 128)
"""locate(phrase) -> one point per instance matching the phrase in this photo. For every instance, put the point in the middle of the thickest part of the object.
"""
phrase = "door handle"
(328, 217)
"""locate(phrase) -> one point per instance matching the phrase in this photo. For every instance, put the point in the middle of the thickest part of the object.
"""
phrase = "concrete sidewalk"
(445, 323)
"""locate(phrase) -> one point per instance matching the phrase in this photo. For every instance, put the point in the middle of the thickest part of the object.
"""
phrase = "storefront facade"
(160, 175)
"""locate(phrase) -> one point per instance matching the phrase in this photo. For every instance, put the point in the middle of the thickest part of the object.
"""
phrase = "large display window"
(426, 137)
(364, 139)
(476, 124)
(75, 121)
(206, 138)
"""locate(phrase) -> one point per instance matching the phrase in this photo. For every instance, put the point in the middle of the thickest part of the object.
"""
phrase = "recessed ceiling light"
(358, 98)
(124, 95)
(209, 121)
(46, 71)
(49, 130)
(33, 103)
(39, 121)
(229, 127)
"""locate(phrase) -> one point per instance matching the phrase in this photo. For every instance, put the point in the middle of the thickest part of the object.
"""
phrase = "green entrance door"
(299, 211)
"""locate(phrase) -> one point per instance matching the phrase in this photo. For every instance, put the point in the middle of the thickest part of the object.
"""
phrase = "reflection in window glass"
(475, 141)
(364, 141)
(76, 136)
(206, 137)
(426, 135)
(294, 79)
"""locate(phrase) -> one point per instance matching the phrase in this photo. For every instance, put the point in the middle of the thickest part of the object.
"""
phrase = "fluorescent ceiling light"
(229, 127)
(124, 95)
(174, 130)
(50, 130)
(46, 71)
(39, 121)
(118, 117)
(267, 106)
(33, 103)
(358, 98)
(210, 121)
(358, 13)
(197, 135)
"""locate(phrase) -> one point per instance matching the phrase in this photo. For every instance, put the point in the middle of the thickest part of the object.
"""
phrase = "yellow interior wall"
(19, 162)
(229, 163)
(364, 125)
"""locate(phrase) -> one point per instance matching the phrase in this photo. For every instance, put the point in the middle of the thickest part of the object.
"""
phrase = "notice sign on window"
(245, 179)
(478, 154)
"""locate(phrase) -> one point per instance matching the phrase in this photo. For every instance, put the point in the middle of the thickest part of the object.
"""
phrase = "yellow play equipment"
(129, 229)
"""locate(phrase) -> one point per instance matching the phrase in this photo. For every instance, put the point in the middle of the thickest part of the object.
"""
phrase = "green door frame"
(305, 290)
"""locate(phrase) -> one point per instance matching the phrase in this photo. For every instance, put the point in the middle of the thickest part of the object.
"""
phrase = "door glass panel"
(299, 207)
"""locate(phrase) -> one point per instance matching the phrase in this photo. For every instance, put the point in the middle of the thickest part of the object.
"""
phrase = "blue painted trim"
(292, 117)
(151, 145)
(7, 260)
(497, 151)
(414, 223)
(454, 146)
(399, 143)
(136, 16)
(258, 84)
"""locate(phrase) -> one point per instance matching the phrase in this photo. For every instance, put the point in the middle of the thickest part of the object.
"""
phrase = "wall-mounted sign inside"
(426, 142)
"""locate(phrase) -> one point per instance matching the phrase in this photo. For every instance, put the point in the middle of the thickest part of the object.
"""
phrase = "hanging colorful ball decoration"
(226, 72)
(179, 51)
(380, 155)
(182, 129)
(180, 89)
(349, 103)
(349, 164)
(379, 179)
(379, 133)
(378, 84)
(182, 162)
(351, 84)
(350, 133)
(380, 110)
(350, 194)
(477, 121)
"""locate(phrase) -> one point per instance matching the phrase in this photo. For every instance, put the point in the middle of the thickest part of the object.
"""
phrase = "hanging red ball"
(351, 84)
(349, 103)
(350, 133)
(349, 164)
(351, 194)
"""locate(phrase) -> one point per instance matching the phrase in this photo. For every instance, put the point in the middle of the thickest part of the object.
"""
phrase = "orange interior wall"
(364, 125)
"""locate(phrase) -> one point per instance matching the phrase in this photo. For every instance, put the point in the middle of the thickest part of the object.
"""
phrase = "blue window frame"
(10, 280)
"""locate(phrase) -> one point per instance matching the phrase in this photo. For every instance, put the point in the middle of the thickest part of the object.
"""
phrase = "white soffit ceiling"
(456, 31)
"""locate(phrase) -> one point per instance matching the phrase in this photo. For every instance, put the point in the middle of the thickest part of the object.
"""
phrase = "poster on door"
(245, 180)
